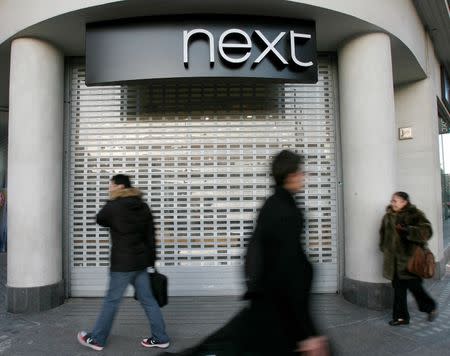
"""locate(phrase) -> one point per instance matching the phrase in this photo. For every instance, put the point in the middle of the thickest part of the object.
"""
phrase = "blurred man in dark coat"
(278, 275)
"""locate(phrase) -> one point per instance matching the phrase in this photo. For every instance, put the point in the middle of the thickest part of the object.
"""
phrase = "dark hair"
(283, 164)
(402, 195)
(121, 179)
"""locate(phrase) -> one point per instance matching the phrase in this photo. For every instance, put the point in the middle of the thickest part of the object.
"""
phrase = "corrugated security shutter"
(201, 154)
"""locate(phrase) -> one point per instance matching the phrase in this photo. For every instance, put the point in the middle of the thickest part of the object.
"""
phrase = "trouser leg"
(425, 303)
(151, 307)
(118, 282)
(400, 307)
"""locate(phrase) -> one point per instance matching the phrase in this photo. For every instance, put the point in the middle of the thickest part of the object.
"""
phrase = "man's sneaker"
(152, 342)
(85, 339)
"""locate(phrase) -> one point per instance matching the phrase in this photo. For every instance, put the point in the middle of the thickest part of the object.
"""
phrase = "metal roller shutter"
(201, 154)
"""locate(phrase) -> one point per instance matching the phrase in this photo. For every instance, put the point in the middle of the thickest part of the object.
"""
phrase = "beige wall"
(418, 159)
(433, 69)
(16, 15)
(397, 17)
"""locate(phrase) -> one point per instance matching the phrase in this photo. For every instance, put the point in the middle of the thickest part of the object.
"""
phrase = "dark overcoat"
(399, 234)
(132, 231)
(279, 277)
(278, 273)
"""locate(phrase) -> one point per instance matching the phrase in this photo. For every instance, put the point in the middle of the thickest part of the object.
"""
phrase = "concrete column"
(368, 132)
(34, 280)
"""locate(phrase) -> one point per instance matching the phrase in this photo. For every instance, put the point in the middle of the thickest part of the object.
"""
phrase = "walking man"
(277, 321)
(133, 250)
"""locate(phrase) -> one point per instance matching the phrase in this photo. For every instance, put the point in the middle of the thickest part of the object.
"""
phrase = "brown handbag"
(421, 263)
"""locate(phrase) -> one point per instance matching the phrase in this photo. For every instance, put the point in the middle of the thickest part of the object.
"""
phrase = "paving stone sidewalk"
(353, 330)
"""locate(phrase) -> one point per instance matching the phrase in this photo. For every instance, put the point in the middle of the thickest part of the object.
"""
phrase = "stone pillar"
(35, 164)
(368, 131)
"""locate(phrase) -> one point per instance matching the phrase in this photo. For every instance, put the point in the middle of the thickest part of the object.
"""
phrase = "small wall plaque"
(405, 133)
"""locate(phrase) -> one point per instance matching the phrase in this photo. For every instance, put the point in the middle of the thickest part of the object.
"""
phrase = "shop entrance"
(201, 154)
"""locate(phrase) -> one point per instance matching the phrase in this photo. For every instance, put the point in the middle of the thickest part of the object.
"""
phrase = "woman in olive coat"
(402, 228)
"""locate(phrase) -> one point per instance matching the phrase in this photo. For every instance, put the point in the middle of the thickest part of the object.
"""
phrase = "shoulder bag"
(421, 263)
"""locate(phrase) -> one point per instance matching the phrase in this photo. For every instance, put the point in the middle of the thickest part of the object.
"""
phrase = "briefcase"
(159, 287)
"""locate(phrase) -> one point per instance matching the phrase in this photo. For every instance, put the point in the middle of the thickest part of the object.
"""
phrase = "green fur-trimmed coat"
(398, 245)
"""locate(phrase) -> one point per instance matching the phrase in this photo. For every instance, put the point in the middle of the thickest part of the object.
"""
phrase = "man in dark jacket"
(133, 250)
(278, 275)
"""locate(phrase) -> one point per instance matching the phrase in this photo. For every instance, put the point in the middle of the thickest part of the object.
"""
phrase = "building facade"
(192, 99)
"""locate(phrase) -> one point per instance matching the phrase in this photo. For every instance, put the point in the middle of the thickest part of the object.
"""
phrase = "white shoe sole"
(161, 346)
(80, 339)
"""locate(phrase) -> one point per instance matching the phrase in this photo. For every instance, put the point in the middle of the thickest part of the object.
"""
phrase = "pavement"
(352, 330)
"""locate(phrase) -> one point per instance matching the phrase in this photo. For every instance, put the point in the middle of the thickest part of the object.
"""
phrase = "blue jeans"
(117, 285)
